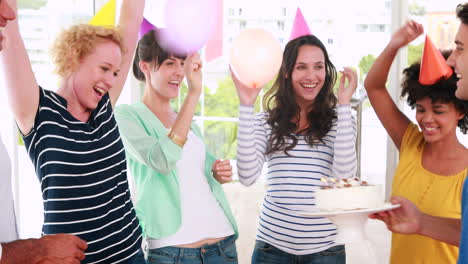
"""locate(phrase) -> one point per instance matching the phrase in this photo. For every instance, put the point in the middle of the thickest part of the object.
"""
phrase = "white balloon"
(256, 57)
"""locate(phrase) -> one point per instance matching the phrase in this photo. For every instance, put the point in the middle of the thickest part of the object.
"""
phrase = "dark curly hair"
(443, 91)
(282, 108)
(149, 50)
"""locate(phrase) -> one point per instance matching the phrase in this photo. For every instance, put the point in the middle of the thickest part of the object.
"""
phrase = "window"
(280, 25)
(242, 24)
(362, 27)
(377, 28)
(283, 11)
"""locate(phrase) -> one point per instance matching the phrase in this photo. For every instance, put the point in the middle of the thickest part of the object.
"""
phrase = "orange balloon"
(255, 57)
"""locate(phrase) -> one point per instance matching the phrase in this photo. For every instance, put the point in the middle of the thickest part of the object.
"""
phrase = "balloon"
(189, 24)
(255, 57)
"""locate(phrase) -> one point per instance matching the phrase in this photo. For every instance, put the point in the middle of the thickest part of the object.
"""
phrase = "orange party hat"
(433, 65)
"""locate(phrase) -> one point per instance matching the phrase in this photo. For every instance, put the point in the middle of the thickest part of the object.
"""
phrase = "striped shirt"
(292, 180)
(83, 176)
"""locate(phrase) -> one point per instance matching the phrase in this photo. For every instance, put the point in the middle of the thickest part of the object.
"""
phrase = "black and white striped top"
(83, 175)
(292, 180)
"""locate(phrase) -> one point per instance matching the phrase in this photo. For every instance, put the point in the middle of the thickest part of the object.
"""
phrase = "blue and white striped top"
(292, 180)
(83, 175)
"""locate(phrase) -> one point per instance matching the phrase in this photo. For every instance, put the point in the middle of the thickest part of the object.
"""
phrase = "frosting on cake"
(348, 194)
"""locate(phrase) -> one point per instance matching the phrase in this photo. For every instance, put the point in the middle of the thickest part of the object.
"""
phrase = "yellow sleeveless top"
(433, 194)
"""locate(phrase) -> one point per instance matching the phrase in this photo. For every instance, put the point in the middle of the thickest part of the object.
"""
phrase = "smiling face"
(437, 120)
(308, 75)
(166, 78)
(6, 14)
(95, 76)
(459, 60)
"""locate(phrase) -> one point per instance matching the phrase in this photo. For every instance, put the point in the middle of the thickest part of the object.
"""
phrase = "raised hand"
(405, 219)
(222, 171)
(193, 73)
(409, 32)
(247, 95)
(345, 92)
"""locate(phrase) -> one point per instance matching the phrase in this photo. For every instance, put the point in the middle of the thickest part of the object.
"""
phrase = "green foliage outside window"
(221, 136)
(365, 64)
(31, 4)
(415, 53)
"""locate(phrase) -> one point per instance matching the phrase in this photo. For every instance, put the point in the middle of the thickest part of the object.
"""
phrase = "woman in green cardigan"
(181, 205)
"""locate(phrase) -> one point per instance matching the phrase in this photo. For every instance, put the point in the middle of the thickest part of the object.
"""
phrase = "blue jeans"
(265, 253)
(138, 258)
(221, 252)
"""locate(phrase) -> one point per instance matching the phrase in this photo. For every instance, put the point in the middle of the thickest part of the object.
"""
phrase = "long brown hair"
(282, 108)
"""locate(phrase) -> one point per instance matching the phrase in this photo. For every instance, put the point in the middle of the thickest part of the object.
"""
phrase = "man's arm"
(408, 219)
(51, 249)
(447, 230)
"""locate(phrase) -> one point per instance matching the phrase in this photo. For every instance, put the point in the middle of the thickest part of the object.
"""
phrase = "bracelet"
(177, 139)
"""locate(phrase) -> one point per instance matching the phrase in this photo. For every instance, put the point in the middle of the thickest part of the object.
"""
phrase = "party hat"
(145, 27)
(433, 65)
(106, 15)
(300, 27)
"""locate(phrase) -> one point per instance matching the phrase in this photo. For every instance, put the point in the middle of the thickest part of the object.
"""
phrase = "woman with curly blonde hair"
(72, 137)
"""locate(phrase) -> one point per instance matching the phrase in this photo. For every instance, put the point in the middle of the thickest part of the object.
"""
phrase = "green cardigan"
(152, 159)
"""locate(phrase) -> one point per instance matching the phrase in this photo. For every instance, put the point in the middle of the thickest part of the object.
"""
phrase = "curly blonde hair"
(79, 41)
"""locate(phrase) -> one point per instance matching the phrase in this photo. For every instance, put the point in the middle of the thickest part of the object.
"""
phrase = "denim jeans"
(138, 258)
(265, 253)
(221, 252)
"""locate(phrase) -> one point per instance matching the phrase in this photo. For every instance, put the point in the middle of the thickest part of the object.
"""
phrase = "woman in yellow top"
(432, 164)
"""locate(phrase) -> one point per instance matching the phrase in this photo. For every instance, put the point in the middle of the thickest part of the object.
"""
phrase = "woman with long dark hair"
(306, 133)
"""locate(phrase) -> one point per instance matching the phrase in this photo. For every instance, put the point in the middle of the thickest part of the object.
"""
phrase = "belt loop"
(180, 255)
(202, 255)
(220, 245)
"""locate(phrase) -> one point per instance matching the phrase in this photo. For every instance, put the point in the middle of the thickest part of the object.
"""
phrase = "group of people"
(82, 144)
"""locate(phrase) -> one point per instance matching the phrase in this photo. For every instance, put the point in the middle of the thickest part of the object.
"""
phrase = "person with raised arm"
(52, 249)
(305, 134)
(184, 212)
(72, 137)
(408, 218)
(432, 161)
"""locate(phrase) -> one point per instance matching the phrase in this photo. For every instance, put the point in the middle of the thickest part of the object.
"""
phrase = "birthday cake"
(349, 194)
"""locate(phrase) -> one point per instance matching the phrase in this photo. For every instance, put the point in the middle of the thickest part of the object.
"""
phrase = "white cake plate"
(350, 223)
